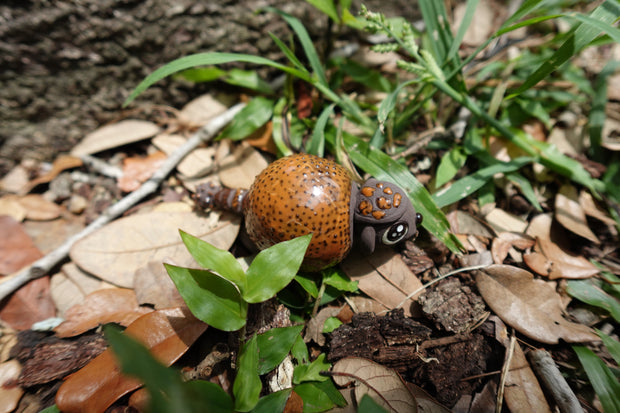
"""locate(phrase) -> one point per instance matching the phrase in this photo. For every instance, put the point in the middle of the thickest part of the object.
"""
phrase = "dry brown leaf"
(16, 248)
(71, 285)
(201, 110)
(166, 333)
(110, 305)
(570, 214)
(426, 403)
(30, 304)
(138, 169)
(385, 277)
(38, 208)
(62, 163)
(16, 180)
(240, 168)
(197, 163)
(115, 135)
(153, 285)
(10, 206)
(532, 307)
(116, 251)
(522, 391)
(549, 258)
(10, 391)
(502, 221)
(314, 328)
(591, 209)
(262, 139)
(48, 235)
(505, 243)
(385, 386)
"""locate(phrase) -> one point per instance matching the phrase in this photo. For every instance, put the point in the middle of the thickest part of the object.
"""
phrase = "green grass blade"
(381, 166)
(591, 293)
(470, 10)
(306, 44)
(471, 183)
(601, 377)
(316, 145)
(597, 112)
(613, 346)
(582, 36)
(290, 55)
(328, 7)
(205, 59)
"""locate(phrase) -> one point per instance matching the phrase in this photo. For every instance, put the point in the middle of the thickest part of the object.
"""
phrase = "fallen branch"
(45, 264)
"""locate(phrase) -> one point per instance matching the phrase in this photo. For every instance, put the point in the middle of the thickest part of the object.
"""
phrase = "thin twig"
(45, 264)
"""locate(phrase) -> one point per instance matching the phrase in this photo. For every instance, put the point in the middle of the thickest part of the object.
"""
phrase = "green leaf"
(330, 325)
(468, 16)
(312, 371)
(274, 268)
(274, 345)
(526, 188)
(603, 381)
(215, 259)
(339, 280)
(51, 409)
(328, 7)
(274, 402)
(205, 59)
(247, 385)
(590, 293)
(306, 43)
(613, 346)
(382, 167)
(307, 282)
(369, 405)
(248, 79)
(316, 144)
(607, 12)
(254, 115)
(319, 396)
(211, 298)
(449, 165)
(290, 55)
(202, 74)
(299, 351)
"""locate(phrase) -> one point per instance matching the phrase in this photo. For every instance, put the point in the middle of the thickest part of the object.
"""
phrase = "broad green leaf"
(274, 268)
(338, 279)
(215, 259)
(274, 402)
(247, 385)
(274, 345)
(613, 346)
(299, 351)
(316, 144)
(369, 405)
(449, 165)
(208, 397)
(254, 115)
(526, 188)
(207, 59)
(311, 372)
(590, 293)
(308, 283)
(211, 298)
(382, 167)
(603, 381)
(331, 324)
(315, 399)
(471, 183)
(51, 409)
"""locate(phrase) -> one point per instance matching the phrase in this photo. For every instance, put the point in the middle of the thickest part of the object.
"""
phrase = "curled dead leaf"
(385, 386)
(166, 333)
(114, 135)
(571, 215)
(549, 258)
(529, 305)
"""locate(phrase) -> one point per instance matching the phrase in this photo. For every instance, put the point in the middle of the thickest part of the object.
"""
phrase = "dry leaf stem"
(45, 264)
(554, 382)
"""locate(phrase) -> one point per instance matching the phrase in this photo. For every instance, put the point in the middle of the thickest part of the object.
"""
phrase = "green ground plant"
(435, 72)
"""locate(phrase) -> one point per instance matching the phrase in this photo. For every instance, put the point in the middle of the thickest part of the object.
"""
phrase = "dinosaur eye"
(395, 233)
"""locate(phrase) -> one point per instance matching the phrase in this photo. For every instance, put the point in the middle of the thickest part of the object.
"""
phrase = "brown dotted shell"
(298, 195)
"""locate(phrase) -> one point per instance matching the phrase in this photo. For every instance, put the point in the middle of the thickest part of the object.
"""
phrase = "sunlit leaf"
(247, 384)
(254, 115)
(211, 298)
(274, 345)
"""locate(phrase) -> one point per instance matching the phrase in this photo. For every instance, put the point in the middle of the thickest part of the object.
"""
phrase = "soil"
(66, 66)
